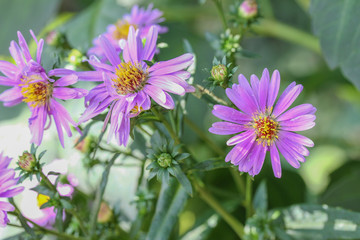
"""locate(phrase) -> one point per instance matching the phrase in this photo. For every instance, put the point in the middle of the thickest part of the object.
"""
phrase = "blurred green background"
(332, 171)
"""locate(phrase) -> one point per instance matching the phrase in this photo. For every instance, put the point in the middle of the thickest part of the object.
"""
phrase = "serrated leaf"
(308, 222)
(171, 201)
(336, 24)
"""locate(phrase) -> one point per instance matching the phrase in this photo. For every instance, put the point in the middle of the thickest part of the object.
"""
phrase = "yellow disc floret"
(37, 93)
(130, 78)
(122, 30)
(266, 129)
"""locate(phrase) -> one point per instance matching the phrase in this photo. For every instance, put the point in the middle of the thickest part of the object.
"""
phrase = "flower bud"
(75, 57)
(164, 160)
(53, 38)
(248, 9)
(105, 214)
(27, 161)
(219, 72)
(84, 145)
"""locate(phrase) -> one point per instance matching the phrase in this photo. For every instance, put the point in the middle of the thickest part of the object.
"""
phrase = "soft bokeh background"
(332, 169)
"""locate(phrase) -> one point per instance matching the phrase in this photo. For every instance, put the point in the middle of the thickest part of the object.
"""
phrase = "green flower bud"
(219, 72)
(75, 57)
(105, 214)
(164, 160)
(27, 161)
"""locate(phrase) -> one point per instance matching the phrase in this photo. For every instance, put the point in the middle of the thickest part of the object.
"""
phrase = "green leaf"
(44, 190)
(308, 222)
(23, 221)
(41, 154)
(20, 236)
(336, 24)
(66, 204)
(100, 193)
(260, 201)
(182, 178)
(171, 201)
(340, 191)
(210, 165)
(92, 22)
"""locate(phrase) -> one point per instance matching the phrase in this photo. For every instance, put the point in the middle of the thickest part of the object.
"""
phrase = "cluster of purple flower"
(127, 83)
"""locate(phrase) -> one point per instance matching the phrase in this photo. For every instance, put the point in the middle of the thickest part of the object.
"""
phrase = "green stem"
(248, 196)
(167, 125)
(236, 225)
(221, 12)
(49, 183)
(203, 136)
(239, 181)
(273, 28)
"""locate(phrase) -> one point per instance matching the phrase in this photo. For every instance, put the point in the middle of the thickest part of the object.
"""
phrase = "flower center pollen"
(36, 93)
(266, 129)
(122, 30)
(130, 78)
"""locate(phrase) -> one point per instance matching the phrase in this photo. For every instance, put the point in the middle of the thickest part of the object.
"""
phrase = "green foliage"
(92, 22)
(171, 201)
(335, 23)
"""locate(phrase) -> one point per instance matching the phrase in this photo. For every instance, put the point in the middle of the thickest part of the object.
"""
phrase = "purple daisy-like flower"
(260, 127)
(128, 84)
(31, 84)
(139, 18)
(7, 188)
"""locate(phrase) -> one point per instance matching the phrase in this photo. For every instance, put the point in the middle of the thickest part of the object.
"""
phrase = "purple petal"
(37, 123)
(5, 206)
(297, 111)
(240, 151)
(171, 66)
(275, 160)
(244, 104)
(298, 138)
(133, 47)
(69, 93)
(273, 88)
(7, 81)
(94, 76)
(240, 137)
(39, 50)
(8, 69)
(24, 47)
(16, 54)
(167, 86)
(287, 155)
(66, 80)
(150, 45)
(11, 94)
(248, 163)
(109, 51)
(287, 98)
(61, 72)
(259, 160)
(97, 64)
(301, 123)
(226, 128)
(230, 114)
(255, 85)
(156, 93)
(263, 89)
(12, 192)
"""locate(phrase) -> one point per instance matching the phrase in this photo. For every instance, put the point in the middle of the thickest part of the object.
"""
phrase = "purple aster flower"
(139, 18)
(31, 84)
(128, 84)
(7, 188)
(260, 127)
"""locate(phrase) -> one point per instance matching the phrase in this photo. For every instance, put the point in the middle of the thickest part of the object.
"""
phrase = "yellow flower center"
(42, 199)
(36, 93)
(122, 30)
(130, 78)
(266, 129)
